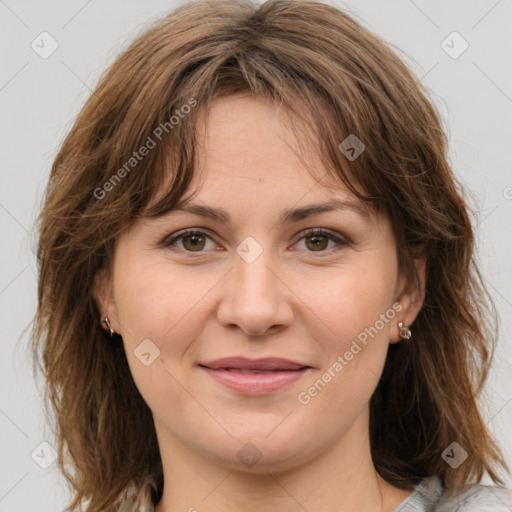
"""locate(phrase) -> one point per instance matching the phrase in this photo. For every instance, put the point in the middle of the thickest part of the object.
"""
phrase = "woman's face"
(255, 286)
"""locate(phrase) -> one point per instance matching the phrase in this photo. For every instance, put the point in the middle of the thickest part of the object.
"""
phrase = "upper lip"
(244, 363)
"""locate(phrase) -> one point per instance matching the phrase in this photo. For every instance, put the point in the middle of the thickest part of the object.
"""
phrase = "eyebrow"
(288, 216)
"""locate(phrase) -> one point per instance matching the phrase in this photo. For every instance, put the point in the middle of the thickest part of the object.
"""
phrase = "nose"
(254, 298)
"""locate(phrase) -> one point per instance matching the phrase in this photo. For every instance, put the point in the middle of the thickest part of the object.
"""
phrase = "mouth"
(255, 376)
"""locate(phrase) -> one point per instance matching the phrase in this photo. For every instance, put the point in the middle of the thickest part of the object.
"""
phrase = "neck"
(341, 478)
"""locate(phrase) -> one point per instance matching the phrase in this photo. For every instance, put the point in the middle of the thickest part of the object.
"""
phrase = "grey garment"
(428, 496)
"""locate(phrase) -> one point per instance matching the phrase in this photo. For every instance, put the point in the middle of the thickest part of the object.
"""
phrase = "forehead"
(245, 141)
(250, 158)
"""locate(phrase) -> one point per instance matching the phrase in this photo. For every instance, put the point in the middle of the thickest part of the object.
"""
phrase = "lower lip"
(256, 383)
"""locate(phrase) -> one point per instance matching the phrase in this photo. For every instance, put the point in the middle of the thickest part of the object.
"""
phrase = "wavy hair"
(333, 78)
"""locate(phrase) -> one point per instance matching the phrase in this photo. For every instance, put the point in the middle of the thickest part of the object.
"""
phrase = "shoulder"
(138, 499)
(430, 496)
(477, 498)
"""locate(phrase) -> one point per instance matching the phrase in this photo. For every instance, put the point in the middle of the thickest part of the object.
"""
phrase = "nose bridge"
(255, 299)
(255, 272)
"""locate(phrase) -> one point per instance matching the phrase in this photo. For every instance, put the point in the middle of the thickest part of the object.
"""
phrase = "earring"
(105, 321)
(405, 332)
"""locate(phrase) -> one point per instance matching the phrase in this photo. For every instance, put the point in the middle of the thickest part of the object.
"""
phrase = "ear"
(410, 299)
(102, 293)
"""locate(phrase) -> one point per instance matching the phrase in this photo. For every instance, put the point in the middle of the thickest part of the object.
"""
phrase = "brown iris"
(196, 242)
(319, 242)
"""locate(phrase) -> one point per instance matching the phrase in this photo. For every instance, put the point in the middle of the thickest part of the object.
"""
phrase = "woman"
(257, 286)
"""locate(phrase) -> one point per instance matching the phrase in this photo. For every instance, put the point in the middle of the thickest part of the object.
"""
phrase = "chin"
(261, 454)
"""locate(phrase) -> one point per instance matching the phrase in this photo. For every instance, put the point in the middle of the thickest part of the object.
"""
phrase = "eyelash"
(169, 241)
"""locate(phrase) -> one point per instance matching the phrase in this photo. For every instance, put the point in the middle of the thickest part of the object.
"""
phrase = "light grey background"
(39, 99)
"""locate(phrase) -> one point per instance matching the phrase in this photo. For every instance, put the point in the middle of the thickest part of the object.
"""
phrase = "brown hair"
(334, 78)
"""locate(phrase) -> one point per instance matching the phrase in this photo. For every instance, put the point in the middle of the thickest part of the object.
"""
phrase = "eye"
(316, 240)
(192, 241)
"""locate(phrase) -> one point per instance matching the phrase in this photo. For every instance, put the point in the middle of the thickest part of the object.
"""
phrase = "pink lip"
(256, 376)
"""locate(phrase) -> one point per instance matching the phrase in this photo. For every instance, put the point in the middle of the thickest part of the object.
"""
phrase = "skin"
(293, 301)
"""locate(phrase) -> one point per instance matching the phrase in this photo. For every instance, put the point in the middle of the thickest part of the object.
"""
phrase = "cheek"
(349, 300)
(156, 301)
(354, 339)
(355, 309)
(168, 307)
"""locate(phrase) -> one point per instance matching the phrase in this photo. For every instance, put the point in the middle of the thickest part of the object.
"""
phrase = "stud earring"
(107, 323)
(405, 332)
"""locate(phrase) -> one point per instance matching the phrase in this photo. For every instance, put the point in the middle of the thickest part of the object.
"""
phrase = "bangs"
(311, 122)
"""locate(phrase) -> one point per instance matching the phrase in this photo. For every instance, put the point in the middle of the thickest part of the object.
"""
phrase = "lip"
(255, 376)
